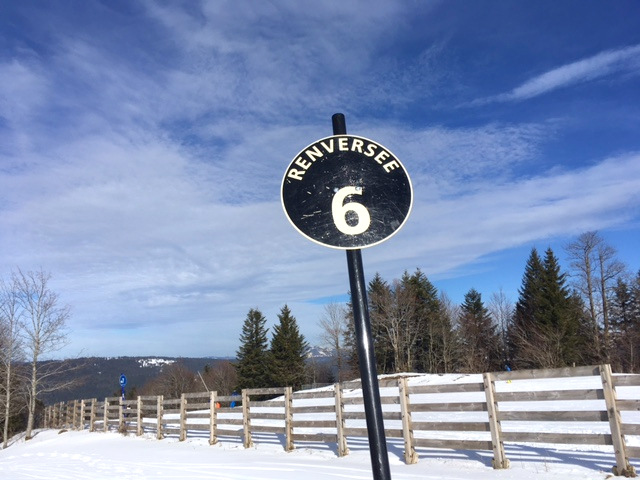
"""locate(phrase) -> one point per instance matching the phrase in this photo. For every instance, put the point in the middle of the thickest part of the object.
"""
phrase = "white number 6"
(339, 211)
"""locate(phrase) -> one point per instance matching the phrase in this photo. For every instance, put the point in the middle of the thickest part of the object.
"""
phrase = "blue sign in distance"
(123, 380)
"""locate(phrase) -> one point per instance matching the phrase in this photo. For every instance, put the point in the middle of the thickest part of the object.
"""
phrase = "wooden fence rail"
(478, 412)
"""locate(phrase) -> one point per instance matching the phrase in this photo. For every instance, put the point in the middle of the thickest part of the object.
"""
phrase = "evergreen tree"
(288, 352)
(253, 356)
(435, 344)
(480, 341)
(379, 297)
(625, 325)
(547, 330)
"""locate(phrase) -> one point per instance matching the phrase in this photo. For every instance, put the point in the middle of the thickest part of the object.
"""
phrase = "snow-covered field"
(82, 455)
(110, 456)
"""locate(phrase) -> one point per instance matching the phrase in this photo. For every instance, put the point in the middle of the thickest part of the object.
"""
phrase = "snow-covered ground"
(82, 455)
(110, 456)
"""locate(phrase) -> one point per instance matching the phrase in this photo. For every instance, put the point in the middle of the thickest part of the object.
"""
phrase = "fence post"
(623, 467)
(499, 458)
(105, 425)
(159, 413)
(246, 419)
(92, 415)
(139, 420)
(83, 405)
(343, 448)
(288, 418)
(213, 419)
(183, 418)
(121, 424)
(410, 455)
(73, 416)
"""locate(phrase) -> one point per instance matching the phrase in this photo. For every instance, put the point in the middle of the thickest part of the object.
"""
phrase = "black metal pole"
(366, 354)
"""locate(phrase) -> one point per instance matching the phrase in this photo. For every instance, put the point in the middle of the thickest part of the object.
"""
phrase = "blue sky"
(143, 144)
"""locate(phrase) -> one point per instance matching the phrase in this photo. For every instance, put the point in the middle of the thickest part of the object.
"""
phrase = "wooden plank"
(314, 437)
(452, 426)
(267, 416)
(589, 371)
(628, 380)
(231, 421)
(453, 444)
(313, 409)
(354, 415)
(197, 406)
(587, 394)
(562, 438)
(267, 429)
(447, 388)
(568, 416)
(304, 395)
(449, 407)
(197, 415)
(630, 429)
(628, 405)
(203, 395)
(314, 424)
(633, 452)
(264, 391)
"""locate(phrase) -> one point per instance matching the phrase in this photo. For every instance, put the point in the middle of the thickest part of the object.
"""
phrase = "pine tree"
(547, 330)
(480, 342)
(288, 352)
(253, 356)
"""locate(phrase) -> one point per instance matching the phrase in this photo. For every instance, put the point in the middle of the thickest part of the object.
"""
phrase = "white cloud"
(605, 63)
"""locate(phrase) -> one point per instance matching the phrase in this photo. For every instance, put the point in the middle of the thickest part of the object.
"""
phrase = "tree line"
(589, 314)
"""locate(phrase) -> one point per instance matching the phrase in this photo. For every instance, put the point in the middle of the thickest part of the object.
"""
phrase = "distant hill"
(99, 377)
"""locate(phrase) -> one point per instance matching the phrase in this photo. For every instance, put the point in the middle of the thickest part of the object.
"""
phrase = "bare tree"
(596, 266)
(44, 332)
(173, 382)
(394, 315)
(609, 269)
(501, 309)
(10, 350)
(448, 315)
(581, 255)
(334, 323)
(221, 377)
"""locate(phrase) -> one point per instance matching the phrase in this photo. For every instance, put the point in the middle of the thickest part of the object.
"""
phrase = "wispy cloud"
(609, 62)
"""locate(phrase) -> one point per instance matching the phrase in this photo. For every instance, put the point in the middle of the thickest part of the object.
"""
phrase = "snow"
(63, 455)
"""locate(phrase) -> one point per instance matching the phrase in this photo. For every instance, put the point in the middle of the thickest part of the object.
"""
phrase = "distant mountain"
(100, 377)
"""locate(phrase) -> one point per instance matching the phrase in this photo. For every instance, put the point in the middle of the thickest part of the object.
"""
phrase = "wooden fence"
(475, 412)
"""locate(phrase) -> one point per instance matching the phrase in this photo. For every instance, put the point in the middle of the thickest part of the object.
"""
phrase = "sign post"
(350, 192)
(123, 383)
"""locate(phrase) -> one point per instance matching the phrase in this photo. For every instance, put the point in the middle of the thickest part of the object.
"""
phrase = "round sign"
(346, 192)
(123, 380)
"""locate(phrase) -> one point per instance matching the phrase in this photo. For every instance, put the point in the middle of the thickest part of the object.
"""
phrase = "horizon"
(143, 146)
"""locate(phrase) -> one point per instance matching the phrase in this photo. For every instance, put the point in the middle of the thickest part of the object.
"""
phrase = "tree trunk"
(7, 408)
(32, 398)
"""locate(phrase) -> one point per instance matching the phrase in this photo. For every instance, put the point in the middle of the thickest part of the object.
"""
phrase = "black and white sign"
(346, 192)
